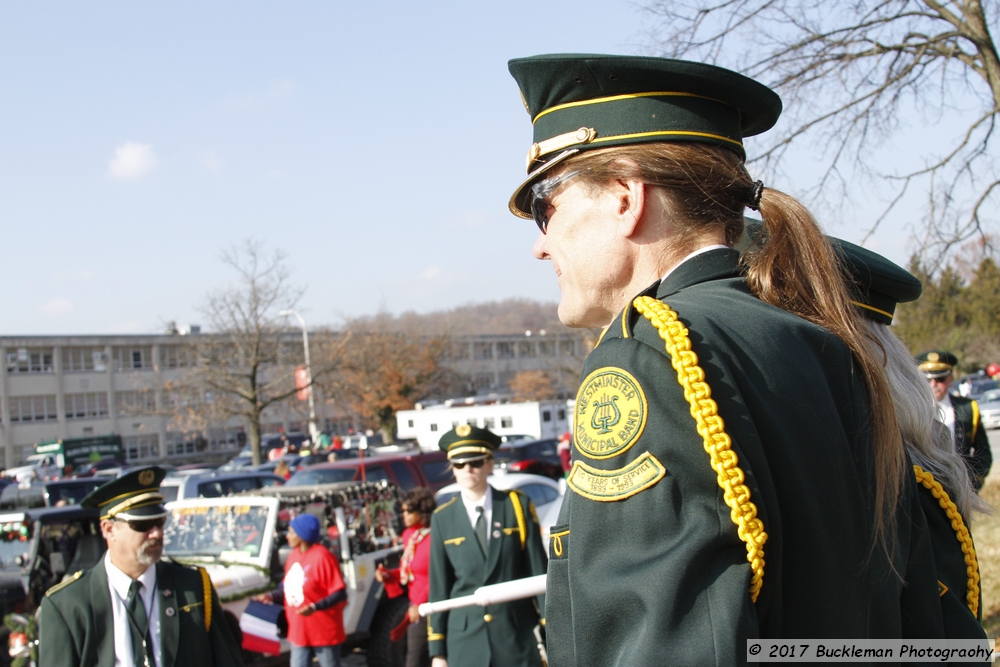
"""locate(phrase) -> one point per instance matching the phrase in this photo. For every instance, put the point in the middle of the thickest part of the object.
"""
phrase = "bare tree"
(845, 69)
(244, 364)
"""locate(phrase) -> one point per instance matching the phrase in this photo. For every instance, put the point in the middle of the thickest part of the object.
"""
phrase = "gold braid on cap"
(149, 497)
(711, 428)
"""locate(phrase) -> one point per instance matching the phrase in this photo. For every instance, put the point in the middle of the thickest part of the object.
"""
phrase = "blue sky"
(375, 143)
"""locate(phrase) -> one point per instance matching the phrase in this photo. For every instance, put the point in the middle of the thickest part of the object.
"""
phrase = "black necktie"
(142, 645)
(481, 528)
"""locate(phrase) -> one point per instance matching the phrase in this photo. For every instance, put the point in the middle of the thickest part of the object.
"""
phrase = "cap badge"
(146, 477)
(933, 356)
(463, 430)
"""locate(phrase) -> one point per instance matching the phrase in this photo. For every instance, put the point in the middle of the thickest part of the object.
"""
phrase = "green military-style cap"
(468, 443)
(936, 363)
(135, 495)
(877, 284)
(580, 102)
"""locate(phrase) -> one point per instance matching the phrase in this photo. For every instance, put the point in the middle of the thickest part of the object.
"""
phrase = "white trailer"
(535, 419)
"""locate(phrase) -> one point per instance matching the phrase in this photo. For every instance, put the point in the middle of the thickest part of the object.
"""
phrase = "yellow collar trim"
(873, 309)
(618, 98)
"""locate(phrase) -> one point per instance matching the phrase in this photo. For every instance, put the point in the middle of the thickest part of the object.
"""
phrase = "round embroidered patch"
(611, 413)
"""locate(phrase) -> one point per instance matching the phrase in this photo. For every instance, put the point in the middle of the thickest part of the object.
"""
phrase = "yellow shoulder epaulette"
(515, 500)
(446, 504)
(64, 583)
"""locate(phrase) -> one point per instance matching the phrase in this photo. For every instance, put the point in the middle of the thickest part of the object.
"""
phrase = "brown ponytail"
(794, 268)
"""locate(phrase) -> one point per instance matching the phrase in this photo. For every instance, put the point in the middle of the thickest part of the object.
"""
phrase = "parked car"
(545, 493)
(537, 457)
(405, 471)
(48, 494)
(989, 409)
(95, 468)
(39, 466)
(979, 387)
(215, 485)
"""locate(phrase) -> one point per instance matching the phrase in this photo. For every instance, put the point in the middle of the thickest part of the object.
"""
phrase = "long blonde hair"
(793, 268)
(928, 441)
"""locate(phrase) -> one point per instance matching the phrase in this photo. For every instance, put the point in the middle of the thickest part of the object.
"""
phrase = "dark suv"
(48, 494)
(538, 457)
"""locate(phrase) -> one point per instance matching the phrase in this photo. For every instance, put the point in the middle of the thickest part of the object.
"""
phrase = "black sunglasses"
(479, 463)
(144, 525)
(540, 193)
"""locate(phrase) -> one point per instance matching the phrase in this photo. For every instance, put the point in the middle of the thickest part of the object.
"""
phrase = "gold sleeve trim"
(716, 441)
(206, 586)
(975, 418)
(519, 514)
(557, 545)
(961, 534)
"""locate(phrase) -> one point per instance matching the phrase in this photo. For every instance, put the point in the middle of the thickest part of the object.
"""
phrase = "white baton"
(492, 594)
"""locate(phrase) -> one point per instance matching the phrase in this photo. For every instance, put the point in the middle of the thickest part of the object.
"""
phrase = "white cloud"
(132, 161)
(211, 160)
(56, 307)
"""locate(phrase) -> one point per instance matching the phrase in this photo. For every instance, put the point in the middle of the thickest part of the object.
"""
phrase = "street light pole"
(313, 431)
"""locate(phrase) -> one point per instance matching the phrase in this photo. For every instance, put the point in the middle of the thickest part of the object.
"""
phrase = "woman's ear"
(631, 200)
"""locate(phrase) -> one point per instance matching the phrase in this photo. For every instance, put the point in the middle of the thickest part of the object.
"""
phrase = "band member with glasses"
(483, 536)
(737, 471)
(131, 609)
(959, 414)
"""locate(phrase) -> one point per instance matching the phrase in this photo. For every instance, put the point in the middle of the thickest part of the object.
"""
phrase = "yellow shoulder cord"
(206, 587)
(711, 428)
(975, 418)
(519, 513)
(961, 533)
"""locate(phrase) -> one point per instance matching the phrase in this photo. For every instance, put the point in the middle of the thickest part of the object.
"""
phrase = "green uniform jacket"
(646, 563)
(498, 635)
(75, 628)
(955, 564)
(971, 440)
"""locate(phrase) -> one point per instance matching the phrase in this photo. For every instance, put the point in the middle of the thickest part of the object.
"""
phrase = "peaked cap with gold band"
(936, 363)
(135, 495)
(469, 443)
(580, 102)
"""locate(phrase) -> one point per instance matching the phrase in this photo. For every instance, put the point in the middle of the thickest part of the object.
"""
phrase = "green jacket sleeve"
(226, 651)
(534, 548)
(981, 457)
(56, 647)
(442, 577)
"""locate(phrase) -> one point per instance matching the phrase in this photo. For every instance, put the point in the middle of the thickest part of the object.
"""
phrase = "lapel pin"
(496, 524)
(169, 611)
(166, 593)
(496, 533)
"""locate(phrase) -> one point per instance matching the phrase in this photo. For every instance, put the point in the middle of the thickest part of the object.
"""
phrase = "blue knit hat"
(306, 526)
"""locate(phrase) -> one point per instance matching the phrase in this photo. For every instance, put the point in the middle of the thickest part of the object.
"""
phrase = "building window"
(546, 415)
(178, 356)
(140, 447)
(482, 350)
(29, 360)
(180, 444)
(77, 359)
(562, 414)
(546, 348)
(409, 422)
(33, 409)
(483, 380)
(133, 358)
(566, 348)
(526, 348)
(472, 421)
(434, 428)
(86, 406)
(489, 422)
(505, 350)
(459, 351)
(506, 422)
(224, 439)
(138, 402)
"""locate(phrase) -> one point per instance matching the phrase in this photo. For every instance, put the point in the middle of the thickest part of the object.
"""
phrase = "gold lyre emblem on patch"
(463, 430)
(146, 477)
(611, 413)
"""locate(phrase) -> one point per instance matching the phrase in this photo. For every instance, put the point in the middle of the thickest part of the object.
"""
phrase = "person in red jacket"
(418, 506)
(314, 595)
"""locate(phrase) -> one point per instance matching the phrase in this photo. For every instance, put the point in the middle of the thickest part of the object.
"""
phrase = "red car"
(404, 470)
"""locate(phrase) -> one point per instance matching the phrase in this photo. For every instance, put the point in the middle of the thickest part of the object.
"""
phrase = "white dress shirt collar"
(486, 502)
